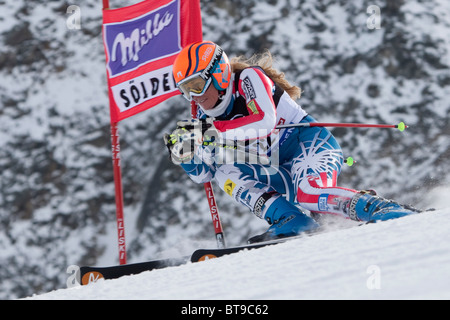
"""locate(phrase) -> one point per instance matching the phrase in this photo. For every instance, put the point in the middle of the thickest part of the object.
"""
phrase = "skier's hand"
(181, 145)
(202, 128)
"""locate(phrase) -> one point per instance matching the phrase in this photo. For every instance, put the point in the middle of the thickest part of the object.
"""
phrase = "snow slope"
(408, 258)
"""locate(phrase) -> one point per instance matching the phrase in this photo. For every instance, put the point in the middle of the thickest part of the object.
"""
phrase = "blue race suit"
(304, 162)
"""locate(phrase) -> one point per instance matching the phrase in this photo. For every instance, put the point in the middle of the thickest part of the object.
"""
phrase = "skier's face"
(207, 100)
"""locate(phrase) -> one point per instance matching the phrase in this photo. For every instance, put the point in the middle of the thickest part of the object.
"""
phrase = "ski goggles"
(194, 85)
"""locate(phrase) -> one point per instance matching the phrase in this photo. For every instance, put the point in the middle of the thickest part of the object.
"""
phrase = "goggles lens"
(195, 86)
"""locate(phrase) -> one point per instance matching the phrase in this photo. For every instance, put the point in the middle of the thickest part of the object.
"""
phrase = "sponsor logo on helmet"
(207, 53)
(211, 67)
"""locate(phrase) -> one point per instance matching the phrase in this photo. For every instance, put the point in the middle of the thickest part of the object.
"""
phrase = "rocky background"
(56, 186)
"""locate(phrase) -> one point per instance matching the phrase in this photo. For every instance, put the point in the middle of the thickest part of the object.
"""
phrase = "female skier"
(234, 140)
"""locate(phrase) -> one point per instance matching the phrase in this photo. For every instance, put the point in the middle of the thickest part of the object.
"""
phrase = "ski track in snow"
(407, 258)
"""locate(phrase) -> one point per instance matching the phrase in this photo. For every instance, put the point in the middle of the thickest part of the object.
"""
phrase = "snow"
(406, 258)
(57, 203)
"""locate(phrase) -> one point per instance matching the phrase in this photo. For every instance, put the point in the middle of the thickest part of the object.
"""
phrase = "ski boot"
(286, 220)
(367, 206)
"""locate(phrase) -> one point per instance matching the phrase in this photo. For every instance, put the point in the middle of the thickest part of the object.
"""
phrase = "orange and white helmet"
(199, 64)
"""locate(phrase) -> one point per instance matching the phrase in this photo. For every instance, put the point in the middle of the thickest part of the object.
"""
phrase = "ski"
(92, 274)
(206, 254)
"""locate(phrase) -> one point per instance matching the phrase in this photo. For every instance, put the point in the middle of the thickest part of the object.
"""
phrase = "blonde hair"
(265, 61)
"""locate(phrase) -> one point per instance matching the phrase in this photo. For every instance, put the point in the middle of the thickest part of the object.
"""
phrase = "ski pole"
(400, 126)
(211, 200)
(349, 161)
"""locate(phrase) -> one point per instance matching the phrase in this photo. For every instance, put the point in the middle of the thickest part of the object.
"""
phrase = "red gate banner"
(141, 42)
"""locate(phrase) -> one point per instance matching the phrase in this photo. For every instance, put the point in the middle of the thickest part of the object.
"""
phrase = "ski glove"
(203, 128)
(188, 136)
(181, 145)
